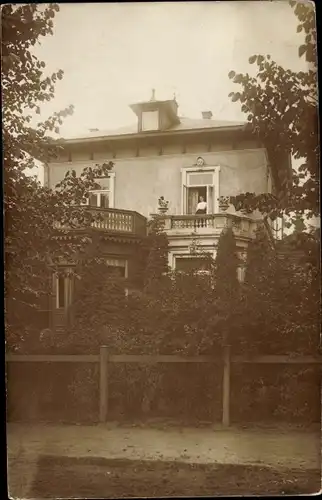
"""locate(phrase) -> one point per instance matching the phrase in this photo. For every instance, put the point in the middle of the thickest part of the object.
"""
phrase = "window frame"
(99, 192)
(68, 291)
(110, 191)
(191, 257)
(155, 112)
(214, 169)
(185, 253)
(117, 259)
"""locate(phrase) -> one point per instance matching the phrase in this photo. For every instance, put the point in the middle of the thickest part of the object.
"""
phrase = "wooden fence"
(104, 359)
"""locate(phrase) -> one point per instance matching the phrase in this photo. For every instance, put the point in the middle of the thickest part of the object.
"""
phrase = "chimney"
(153, 95)
(206, 115)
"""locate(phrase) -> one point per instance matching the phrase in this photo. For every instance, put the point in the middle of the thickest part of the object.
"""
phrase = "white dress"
(201, 207)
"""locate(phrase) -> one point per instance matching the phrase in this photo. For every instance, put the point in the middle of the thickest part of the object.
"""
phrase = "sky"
(114, 54)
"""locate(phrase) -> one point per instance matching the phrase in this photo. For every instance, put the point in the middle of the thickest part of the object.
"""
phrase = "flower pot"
(223, 207)
(223, 203)
(163, 210)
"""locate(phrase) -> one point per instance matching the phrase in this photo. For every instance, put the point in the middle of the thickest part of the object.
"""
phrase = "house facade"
(182, 160)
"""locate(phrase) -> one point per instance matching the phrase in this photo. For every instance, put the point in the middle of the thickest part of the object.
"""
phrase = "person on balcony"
(201, 206)
(201, 209)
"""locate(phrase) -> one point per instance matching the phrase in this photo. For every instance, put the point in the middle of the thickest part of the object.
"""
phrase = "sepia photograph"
(162, 274)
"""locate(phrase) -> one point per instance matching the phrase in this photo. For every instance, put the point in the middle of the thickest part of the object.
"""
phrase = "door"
(192, 200)
(210, 199)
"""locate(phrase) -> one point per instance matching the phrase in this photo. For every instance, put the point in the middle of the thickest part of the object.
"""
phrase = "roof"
(185, 124)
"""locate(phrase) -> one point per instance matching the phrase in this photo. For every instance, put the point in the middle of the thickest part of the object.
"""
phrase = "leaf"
(238, 78)
(235, 97)
(252, 59)
(302, 50)
(231, 74)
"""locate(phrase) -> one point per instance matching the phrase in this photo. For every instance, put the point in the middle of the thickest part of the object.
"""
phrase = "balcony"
(210, 224)
(112, 220)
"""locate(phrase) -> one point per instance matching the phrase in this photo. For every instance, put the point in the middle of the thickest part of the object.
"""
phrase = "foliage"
(281, 109)
(157, 253)
(226, 285)
(170, 314)
(227, 262)
(163, 204)
(280, 304)
(99, 299)
(194, 313)
(33, 237)
(261, 259)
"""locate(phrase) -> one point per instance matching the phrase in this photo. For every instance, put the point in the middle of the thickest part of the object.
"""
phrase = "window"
(63, 289)
(99, 199)
(189, 264)
(103, 197)
(150, 120)
(241, 270)
(61, 292)
(197, 184)
(199, 265)
(117, 267)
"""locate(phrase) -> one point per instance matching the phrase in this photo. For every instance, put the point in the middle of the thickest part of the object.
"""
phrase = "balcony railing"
(114, 220)
(209, 223)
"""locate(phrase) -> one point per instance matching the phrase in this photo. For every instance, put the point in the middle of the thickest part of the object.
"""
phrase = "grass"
(92, 477)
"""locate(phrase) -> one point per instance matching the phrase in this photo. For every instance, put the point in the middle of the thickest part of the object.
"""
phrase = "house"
(181, 160)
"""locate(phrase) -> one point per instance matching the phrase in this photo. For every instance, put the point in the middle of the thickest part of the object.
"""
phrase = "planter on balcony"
(163, 205)
(224, 203)
(162, 210)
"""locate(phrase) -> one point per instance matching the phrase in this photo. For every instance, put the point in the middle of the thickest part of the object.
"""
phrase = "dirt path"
(271, 447)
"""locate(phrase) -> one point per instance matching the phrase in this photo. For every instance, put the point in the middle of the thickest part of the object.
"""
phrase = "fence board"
(171, 358)
(168, 358)
(52, 358)
(103, 403)
(226, 388)
(278, 359)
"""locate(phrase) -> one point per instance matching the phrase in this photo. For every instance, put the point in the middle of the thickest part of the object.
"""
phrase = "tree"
(226, 263)
(157, 253)
(31, 211)
(92, 312)
(281, 297)
(279, 313)
(226, 284)
(261, 259)
(281, 109)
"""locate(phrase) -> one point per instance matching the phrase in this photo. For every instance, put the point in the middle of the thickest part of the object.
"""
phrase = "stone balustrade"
(114, 220)
(209, 223)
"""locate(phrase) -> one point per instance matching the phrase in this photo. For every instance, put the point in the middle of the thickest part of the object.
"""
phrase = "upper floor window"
(99, 199)
(150, 120)
(103, 197)
(200, 186)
